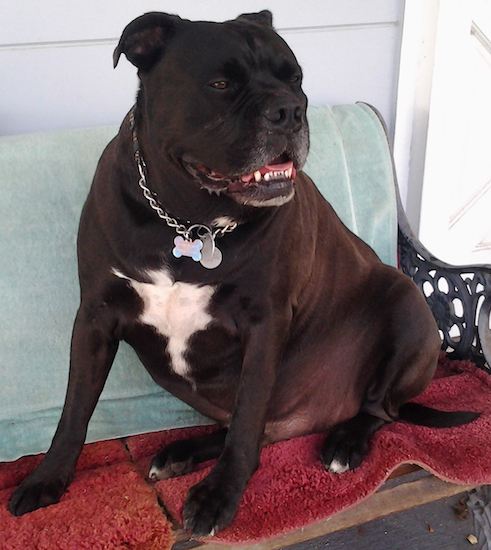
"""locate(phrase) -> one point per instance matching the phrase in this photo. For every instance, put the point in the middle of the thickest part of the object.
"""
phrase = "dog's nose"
(285, 114)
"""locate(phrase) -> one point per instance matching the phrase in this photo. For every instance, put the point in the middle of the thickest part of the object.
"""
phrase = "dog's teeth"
(268, 176)
(278, 174)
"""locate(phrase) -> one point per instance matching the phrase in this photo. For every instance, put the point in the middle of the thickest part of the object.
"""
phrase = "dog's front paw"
(211, 505)
(34, 493)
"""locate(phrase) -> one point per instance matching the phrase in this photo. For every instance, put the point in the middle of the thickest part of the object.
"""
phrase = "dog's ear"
(143, 40)
(264, 17)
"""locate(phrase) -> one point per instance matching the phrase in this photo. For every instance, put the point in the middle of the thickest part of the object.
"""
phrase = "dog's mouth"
(269, 185)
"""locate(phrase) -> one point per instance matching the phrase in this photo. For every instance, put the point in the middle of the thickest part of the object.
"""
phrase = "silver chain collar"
(203, 249)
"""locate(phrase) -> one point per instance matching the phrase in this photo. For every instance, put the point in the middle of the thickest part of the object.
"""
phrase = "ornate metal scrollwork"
(459, 297)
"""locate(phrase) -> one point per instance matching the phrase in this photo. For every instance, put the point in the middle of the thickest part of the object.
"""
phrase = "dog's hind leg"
(398, 379)
(404, 359)
(179, 457)
(401, 376)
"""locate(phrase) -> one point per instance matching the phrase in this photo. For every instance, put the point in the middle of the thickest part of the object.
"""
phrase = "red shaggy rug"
(110, 505)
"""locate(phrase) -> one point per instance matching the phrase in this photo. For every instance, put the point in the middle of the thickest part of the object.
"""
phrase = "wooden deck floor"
(432, 526)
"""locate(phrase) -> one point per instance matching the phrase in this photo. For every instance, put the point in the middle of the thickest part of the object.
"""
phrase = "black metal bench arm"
(459, 296)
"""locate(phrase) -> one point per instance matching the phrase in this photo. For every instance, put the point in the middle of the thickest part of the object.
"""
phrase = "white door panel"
(456, 199)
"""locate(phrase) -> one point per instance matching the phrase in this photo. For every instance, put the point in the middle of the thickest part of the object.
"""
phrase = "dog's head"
(222, 102)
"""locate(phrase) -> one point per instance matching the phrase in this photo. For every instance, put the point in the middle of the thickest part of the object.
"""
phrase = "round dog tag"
(211, 257)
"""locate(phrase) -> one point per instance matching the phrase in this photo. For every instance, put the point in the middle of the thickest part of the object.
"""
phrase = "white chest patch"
(175, 309)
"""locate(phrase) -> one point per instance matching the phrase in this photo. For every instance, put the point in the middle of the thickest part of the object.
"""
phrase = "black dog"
(203, 245)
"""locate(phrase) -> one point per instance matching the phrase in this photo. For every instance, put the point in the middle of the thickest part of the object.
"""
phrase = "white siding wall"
(56, 56)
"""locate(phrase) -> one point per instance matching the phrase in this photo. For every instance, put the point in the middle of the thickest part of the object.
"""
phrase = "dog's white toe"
(337, 467)
(154, 473)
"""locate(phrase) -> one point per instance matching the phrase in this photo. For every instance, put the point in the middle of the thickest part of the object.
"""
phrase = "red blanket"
(111, 505)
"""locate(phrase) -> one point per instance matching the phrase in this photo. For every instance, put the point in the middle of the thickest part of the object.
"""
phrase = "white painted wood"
(354, 64)
(56, 58)
(456, 198)
(59, 88)
(27, 22)
(413, 101)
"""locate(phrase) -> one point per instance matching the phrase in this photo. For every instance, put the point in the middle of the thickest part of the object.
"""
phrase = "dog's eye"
(220, 85)
(294, 79)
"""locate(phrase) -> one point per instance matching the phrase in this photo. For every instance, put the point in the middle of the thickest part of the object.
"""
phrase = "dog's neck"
(181, 198)
(202, 248)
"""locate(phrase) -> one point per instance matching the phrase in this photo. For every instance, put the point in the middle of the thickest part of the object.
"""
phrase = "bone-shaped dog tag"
(211, 256)
(184, 247)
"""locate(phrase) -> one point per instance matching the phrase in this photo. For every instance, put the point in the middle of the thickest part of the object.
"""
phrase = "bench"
(45, 179)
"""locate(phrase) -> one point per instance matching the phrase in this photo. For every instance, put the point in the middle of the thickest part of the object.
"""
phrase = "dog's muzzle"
(269, 185)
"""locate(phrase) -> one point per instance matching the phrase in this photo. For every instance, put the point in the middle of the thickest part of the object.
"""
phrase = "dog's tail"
(433, 418)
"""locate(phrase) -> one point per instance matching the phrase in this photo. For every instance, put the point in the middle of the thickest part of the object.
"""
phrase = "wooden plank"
(403, 470)
(397, 499)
